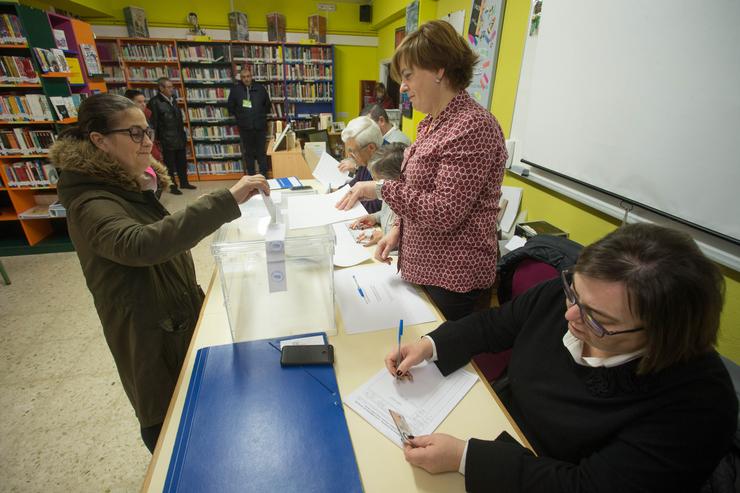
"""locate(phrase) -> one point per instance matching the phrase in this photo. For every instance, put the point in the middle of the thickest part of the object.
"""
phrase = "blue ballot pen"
(400, 333)
(359, 289)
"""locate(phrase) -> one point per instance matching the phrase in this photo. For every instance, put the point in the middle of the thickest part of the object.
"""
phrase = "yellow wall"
(352, 64)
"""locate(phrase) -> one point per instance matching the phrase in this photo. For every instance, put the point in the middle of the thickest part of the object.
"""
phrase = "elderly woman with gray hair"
(362, 137)
(384, 165)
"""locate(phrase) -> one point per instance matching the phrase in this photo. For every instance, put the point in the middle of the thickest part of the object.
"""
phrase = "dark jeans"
(150, 435)
(254, 148)
(176, 163)
(454, 305)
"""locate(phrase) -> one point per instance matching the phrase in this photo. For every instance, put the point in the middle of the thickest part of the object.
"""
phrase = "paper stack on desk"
(425, 402)
(307, 211)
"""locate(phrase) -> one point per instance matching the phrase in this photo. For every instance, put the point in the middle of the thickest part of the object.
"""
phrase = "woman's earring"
(437, 80)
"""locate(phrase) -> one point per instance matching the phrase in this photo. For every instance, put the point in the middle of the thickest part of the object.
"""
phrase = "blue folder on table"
(249, 424)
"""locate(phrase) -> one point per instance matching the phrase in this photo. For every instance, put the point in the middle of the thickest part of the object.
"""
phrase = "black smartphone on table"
(318, 354)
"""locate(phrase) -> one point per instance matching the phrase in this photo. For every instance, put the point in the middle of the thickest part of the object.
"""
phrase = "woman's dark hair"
(98, 113)
(132, 93)
(433, 46)
(672, 288)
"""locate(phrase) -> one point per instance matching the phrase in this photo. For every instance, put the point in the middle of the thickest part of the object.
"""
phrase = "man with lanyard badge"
(250, 105)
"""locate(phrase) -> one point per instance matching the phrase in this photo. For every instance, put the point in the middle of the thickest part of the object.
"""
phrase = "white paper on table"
(388, 299)
(307, 211)
(425, 402)
(327, 172)
(515, 242)
(303, 341)
(513, 195)
(347, 251)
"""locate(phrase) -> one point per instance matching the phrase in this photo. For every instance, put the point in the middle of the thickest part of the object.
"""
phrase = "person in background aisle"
(447, 196)
(139, 100)
(614, 379)
(381, 97)
(169, 127)
(135, 254)
(386, 165)
(361, 137)
(389, 131)
(250, 105)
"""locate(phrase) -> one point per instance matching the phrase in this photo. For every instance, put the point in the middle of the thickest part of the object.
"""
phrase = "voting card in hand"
(403, 427)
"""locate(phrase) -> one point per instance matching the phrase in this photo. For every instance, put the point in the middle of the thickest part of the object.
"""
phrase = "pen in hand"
(398, 355)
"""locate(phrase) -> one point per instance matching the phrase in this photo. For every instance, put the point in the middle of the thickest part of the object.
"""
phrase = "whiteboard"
(640, 99)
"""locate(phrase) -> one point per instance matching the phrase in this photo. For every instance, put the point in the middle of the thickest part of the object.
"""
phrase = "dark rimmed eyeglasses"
(136, 133)
(572, 299)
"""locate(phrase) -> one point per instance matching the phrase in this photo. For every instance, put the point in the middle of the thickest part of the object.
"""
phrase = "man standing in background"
(170, 133)
(250, 105)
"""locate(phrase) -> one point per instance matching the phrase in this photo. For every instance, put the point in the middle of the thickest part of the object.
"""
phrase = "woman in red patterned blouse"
(448, 193)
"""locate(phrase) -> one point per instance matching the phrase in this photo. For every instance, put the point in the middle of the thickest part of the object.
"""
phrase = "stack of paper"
(327, 172)
(307, 211)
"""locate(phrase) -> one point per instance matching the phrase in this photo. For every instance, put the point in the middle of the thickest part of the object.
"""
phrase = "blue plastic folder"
(249, 424)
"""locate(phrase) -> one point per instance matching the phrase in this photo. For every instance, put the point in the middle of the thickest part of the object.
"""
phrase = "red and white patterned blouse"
(447, 198)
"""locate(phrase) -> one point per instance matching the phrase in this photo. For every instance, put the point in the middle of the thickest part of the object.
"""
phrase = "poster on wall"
(412, 16)
(484, 34)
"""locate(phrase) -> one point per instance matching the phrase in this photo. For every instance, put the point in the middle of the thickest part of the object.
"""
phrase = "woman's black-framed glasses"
(588, 319)
(136, 133)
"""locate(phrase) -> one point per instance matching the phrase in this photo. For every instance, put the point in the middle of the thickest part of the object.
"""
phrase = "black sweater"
(594, 429)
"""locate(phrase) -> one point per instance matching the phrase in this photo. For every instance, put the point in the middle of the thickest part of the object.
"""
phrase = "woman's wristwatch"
(379, 188)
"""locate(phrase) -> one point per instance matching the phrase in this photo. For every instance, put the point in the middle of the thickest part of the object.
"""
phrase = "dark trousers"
(150, 435)
(454, 305)
(176, 163)
(254, 148)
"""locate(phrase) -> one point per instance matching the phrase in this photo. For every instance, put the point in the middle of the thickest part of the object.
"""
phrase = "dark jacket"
(254, 118)
(557, 251)
(136, 262)
(168, 122)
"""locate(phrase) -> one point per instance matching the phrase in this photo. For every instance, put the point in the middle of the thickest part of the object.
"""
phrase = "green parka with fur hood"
(136, 261)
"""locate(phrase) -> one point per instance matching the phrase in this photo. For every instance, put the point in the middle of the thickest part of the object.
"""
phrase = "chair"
(529, 273)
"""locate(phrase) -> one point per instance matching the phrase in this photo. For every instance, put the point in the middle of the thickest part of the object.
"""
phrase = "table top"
(358, 357)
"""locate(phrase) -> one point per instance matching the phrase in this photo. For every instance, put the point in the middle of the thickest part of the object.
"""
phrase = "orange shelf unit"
(37, 229)
(28, 84)
(229, 176)
(48, 75)
(14, 46)
(28, 122)
(8, 214)
(72, 119)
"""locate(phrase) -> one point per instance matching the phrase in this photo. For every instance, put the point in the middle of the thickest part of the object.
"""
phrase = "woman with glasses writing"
(614, 379)
(133, 252)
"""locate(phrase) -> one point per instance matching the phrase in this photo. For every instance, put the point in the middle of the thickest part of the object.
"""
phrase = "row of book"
(17, 70)
(149, 52)
(309, 72)
(201, 53)
(11, 31)
(219, 167)
(31, 107)
(31, 174)
(277, 110)
(151, 74)
(216, 132)
(275, 90)
(52, 60)
(24, 141)
(209, 74)
(311, 91)
(262, 72)
(207, 94)
(208, 113)
(217, 150)
(257, 53)
(113, 73)
(150, 92)
(316, 54)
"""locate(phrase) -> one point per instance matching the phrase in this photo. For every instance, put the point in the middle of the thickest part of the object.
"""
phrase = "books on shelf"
(219, 167)
(157, 52)
(90, 57)
(113, 73)
(17, 70)
(210, 151)
(310, 92)
(28, 107)
(203, 54)
(308, 54)
(24, 141)
(75, 71)
(207, 94)
(263, 71)
(317, 28)
(215, 132)
(151, 74)
(31, 174)
(276, 27)
(11, 31)
(51, 60)
(64, 106)
(42, 208)
(206, 74)
(310, 72)
(208, 113)
(238, 26)
(136, 23)
(60, 39)
(257, 53)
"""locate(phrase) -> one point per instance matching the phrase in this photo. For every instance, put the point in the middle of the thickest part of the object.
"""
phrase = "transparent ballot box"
(307, 305)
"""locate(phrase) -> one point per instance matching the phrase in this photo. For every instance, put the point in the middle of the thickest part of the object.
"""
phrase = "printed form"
(425, 402)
